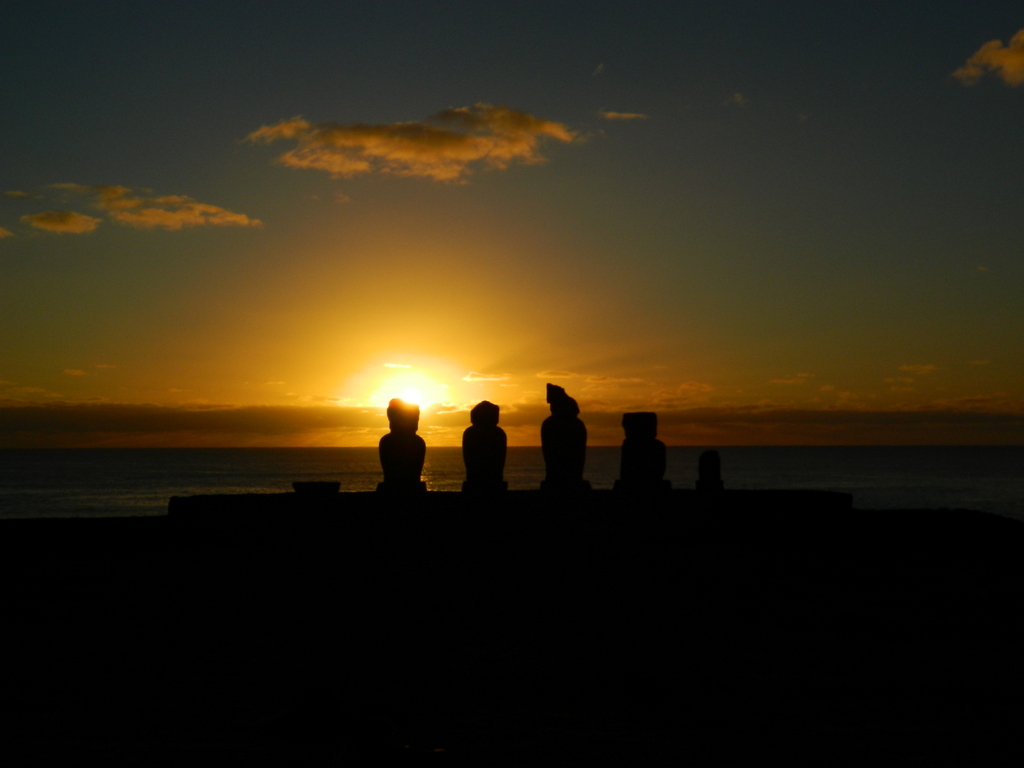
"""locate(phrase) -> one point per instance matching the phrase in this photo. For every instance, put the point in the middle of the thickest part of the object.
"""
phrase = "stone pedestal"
(566, 487)
(416, 486)
(484, 487)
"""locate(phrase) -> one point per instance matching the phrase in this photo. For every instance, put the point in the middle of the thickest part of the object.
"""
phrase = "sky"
(772, 223)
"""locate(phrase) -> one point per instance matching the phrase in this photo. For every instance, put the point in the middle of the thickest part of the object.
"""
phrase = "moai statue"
(709, 472)
(483, 450)
(401, 450)
(643, 456)
(563, 439)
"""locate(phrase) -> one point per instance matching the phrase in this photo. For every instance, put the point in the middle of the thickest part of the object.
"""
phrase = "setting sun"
(411, 385)
(413, 396)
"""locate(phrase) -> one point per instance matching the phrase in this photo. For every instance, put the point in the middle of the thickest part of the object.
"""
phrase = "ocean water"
(102, 482)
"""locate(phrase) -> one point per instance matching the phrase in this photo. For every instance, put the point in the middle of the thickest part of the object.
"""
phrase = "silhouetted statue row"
(563, 438)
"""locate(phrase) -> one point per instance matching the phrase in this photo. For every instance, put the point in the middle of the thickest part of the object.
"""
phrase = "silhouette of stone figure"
(484, 445)
(401, 450)
(709, 472)
(563, 439)
(643, 456)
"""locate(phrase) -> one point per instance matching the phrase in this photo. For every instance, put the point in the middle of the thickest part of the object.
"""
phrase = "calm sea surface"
(53, 483)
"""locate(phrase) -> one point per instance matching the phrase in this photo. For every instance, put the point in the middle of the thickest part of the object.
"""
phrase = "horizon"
(771, 224)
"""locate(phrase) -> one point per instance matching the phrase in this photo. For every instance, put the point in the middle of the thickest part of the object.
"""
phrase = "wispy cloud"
(557, 375)
(476, 376)
(396, 365)
(105, 365)
(623, 115)
(74, 372)
(171, 212)
(15, 193)
(62, 222)
(5, 233)
(1003, 61)
(800, 378)
(736, 100)
(442, 148)
(980, 362)
(982, 419)
(920, 369)
(612, 380)
(598, 70)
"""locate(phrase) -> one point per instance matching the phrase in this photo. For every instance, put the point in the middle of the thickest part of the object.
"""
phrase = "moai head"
(403, 417)
(640, 426)
(561, 403)
(484, 414)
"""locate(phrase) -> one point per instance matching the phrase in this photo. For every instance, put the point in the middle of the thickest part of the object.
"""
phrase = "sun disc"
(413, 396)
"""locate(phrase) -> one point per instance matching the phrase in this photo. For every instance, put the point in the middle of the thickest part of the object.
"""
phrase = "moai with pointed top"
(563, 439)
(402, 451)
(484, 445)
(709, 472)
(642, 469)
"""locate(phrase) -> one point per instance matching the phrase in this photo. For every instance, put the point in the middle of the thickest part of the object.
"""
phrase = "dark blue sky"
(808, 211)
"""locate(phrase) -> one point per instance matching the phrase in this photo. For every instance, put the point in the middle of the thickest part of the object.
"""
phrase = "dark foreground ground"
(272, 630)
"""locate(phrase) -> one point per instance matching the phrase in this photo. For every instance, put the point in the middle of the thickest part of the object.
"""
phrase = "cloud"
(396, 365)
(62, 222)
(1005, 62)
(985, 419)
(687, 393)
(74, 372)
(5, 233)
(171, 212)
(18, 194)
(105, 365)
(980, 362)
(598, 70)
(612, 380)
(920, 370)
(622, 115)
(736, 100)
(800, 378)
(475, 376)
(442, 148)
(557, 375)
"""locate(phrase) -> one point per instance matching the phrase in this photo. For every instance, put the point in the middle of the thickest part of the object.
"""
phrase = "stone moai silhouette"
(709, 472)
(642, 469)
(484, 445)
(563, 439)
(402, 451)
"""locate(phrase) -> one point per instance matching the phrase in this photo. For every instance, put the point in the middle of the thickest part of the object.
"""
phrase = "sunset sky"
(234, 224)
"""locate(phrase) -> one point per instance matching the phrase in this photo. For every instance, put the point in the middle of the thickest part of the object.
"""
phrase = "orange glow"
(411, 385)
